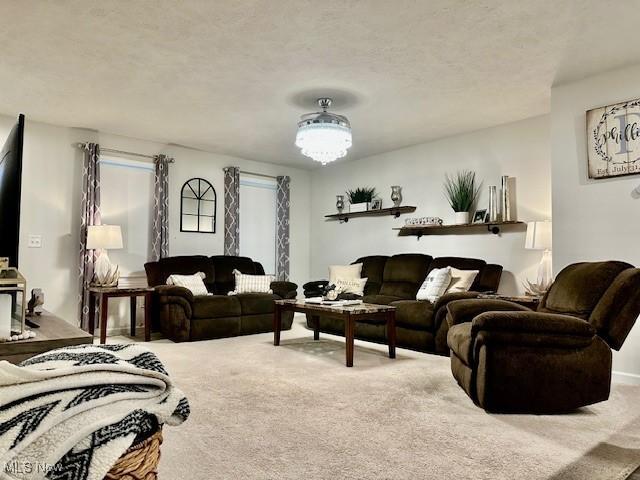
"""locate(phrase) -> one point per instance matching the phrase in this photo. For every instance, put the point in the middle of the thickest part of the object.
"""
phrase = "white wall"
(593, 219)
(518, 149)
(51, 204)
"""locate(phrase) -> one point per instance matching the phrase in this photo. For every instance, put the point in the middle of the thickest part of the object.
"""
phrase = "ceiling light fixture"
(323, 136)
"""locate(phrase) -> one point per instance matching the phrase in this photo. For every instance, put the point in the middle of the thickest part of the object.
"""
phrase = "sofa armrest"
(444, 300)
(174, 291)
(532, 322)
(171, 294)
(461, 311)
(285, 289)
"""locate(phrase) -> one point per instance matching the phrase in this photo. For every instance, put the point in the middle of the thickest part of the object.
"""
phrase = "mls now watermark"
(22, 467)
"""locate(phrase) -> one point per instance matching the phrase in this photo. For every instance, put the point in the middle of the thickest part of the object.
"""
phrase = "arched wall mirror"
(198, 204)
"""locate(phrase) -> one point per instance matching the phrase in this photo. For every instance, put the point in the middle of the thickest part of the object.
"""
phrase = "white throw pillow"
(194, 282)
(355, 287)
(435, 285)
(461, 280)
(252, 283)
(345, 272)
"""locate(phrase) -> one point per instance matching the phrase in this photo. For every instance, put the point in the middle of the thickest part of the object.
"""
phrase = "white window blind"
(258, 220)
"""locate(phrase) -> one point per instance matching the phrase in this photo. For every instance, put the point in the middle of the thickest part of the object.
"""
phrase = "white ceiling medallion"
(323, 136)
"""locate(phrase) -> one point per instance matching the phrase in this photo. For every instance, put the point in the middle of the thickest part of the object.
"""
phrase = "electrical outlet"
(35, 241)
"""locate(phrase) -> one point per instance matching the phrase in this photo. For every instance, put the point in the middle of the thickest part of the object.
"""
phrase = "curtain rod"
(124, 152)
(258, 174)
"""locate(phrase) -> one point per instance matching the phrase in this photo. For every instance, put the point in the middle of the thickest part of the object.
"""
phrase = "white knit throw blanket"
(71, 413)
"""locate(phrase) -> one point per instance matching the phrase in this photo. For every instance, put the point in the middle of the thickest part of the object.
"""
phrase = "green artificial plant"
(361, 195)
(461, 190)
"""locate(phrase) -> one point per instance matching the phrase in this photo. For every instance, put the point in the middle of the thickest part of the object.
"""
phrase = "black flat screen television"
(10, 190)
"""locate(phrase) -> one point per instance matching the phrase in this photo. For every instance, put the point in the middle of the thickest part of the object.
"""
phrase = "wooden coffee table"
(349, 314)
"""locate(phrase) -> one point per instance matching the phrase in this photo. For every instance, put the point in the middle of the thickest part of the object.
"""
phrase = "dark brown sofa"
(183, 317)
(511, 359)
(395, 280)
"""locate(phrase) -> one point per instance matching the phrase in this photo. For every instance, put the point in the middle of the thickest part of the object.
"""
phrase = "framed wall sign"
(613, 136)
(198, 201)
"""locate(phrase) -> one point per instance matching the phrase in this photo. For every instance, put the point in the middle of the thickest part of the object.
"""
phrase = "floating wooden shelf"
(395, 211)
(420, 230)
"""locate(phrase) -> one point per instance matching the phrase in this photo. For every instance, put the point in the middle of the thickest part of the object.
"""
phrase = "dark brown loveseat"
(511, 359)
(395, 280)
(184, 317)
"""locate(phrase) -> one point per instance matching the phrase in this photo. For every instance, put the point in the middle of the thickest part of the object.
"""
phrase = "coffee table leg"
(104, 308)
(132, 314)
(316, 327)
(391, 333)
(277, 324)
(147, 316)
(349, 330)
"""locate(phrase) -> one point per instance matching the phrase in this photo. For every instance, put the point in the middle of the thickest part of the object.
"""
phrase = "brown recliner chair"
(511, 359)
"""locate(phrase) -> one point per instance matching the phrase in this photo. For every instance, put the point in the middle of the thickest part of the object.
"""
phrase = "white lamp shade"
(538, 236)
(108, 237)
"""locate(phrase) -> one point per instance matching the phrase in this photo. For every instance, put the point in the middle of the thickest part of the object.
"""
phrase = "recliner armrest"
(174, 291)
(171, 294)
(285, 289)
(530, 329)
(462, 311)
(532, 322)
(444, 300)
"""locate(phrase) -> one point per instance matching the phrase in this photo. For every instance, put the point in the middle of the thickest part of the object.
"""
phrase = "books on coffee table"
(333, 303)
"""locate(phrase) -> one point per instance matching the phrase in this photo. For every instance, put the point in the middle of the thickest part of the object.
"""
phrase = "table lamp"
(103, 238)
(539, 238)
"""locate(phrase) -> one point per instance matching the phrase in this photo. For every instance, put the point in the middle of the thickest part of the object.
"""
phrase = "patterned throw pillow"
(252, 283)
(461, 280)
(193, 283)
(345, 272)
(435, 285)
(355, 287)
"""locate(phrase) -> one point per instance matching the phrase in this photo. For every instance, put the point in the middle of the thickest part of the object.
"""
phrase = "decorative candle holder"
(340, 203)
(396, 195)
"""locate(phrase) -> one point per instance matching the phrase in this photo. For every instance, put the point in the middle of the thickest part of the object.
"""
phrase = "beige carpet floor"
(296, 412)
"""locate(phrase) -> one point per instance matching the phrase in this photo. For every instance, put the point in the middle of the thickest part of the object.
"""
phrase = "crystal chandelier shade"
(324, 136)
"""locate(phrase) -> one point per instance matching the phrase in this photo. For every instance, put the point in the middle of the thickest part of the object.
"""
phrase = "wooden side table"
(102, 296)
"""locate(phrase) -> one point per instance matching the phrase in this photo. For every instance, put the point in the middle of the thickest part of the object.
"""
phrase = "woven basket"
(140, 462)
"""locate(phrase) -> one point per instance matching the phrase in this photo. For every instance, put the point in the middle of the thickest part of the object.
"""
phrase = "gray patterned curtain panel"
(90, 215)
(160, 229)
(232, 211)
(282, 240)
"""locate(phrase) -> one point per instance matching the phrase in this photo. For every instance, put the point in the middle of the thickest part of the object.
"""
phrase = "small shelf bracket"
(493, 229)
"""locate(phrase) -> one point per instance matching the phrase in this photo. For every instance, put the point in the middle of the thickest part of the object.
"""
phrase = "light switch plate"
(35, 241)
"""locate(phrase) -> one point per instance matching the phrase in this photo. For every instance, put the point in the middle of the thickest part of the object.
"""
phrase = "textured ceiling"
(234, 76)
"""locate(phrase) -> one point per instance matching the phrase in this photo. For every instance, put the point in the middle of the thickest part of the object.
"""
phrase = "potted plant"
(461, 192)
(360, 198)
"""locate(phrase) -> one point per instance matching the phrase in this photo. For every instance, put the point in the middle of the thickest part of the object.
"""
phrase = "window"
(198, 206)
(258, 220)
(126, 199)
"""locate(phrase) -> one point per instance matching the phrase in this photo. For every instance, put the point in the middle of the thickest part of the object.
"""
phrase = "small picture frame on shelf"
(376, 204)
(480, 216)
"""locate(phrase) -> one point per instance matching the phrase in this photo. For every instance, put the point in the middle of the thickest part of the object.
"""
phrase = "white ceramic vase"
(462, 218)
(5, 316)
